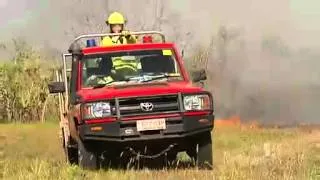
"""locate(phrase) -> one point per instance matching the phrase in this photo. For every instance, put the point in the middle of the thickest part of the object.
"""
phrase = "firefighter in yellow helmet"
(116, 21)
(121, 68)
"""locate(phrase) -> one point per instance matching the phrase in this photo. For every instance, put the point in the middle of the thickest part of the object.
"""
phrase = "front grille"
(160, 104)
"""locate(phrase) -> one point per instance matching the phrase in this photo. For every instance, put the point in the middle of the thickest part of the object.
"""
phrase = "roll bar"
(119, 34)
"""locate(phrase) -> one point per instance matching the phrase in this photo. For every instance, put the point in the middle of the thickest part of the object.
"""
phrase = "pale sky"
(20, 10)
(304, 18)
(306, 13)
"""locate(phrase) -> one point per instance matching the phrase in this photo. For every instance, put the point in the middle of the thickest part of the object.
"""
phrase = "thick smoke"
(269, 70)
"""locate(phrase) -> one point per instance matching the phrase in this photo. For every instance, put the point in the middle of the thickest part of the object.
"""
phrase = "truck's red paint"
(185, 86)
(90, 94)
(185, 130)
(148, 46)
(131, 90)
(127, 47)
(112, 119)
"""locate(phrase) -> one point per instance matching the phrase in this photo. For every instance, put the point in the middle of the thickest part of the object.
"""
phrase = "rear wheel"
(88, 159)
(201, 151)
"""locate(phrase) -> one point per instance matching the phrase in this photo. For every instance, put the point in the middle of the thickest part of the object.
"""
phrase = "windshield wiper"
(101, 85)
(162, 76)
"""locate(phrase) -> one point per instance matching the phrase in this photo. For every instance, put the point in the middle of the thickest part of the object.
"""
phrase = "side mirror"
(199, 75)
(56, 87)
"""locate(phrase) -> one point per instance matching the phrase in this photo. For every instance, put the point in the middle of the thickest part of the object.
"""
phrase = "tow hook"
(139, 155)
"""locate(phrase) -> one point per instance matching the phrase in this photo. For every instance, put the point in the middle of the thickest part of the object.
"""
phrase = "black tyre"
(71, 152)
(112, 159)
(201, 151)
(88, 159)
(171, 159)
(71, 155)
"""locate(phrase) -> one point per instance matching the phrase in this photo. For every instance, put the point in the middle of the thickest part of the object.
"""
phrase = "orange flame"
(235, 121)
(232, 121)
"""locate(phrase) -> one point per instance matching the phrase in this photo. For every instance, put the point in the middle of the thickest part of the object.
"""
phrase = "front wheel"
(70, 152)
(71, 155)
(201, 151)
(171, 158)
(88, 159)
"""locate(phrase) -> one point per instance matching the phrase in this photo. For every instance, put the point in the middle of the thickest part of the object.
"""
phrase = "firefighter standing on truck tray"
(121, 68)
(116, 21)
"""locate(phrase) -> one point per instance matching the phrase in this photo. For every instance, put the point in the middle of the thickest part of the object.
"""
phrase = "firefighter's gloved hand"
(126, 33)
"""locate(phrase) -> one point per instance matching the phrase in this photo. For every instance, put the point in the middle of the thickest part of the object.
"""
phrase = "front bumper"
(126, 131)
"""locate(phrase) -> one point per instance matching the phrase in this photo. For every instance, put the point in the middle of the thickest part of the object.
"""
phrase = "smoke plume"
(266, 69)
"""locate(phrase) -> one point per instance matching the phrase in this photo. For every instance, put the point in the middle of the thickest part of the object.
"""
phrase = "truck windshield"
(130, 67)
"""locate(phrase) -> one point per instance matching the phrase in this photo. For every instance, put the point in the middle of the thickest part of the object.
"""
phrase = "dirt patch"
(2, 141)
(2, 137)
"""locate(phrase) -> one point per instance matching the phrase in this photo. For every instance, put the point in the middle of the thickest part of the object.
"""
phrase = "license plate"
(151, 124)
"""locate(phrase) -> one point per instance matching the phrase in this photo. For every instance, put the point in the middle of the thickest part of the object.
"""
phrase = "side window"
(68, 68)
(91, 67)
(73, 80)
(158, 64)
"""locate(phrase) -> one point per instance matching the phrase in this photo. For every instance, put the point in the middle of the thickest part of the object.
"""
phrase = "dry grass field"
(33, 152)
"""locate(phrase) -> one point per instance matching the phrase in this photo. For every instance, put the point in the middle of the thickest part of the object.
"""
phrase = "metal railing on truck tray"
(101, 35)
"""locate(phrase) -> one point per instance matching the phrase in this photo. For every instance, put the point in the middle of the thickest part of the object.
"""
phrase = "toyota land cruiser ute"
(149, 114)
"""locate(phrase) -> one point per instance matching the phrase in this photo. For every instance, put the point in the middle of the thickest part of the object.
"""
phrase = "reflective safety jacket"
(125, 67)
(119, 64)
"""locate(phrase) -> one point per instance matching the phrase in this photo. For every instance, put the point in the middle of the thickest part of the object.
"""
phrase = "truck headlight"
(96, 110)
(196, 102)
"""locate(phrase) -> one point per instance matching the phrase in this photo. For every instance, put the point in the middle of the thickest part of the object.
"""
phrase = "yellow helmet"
(116, 18)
